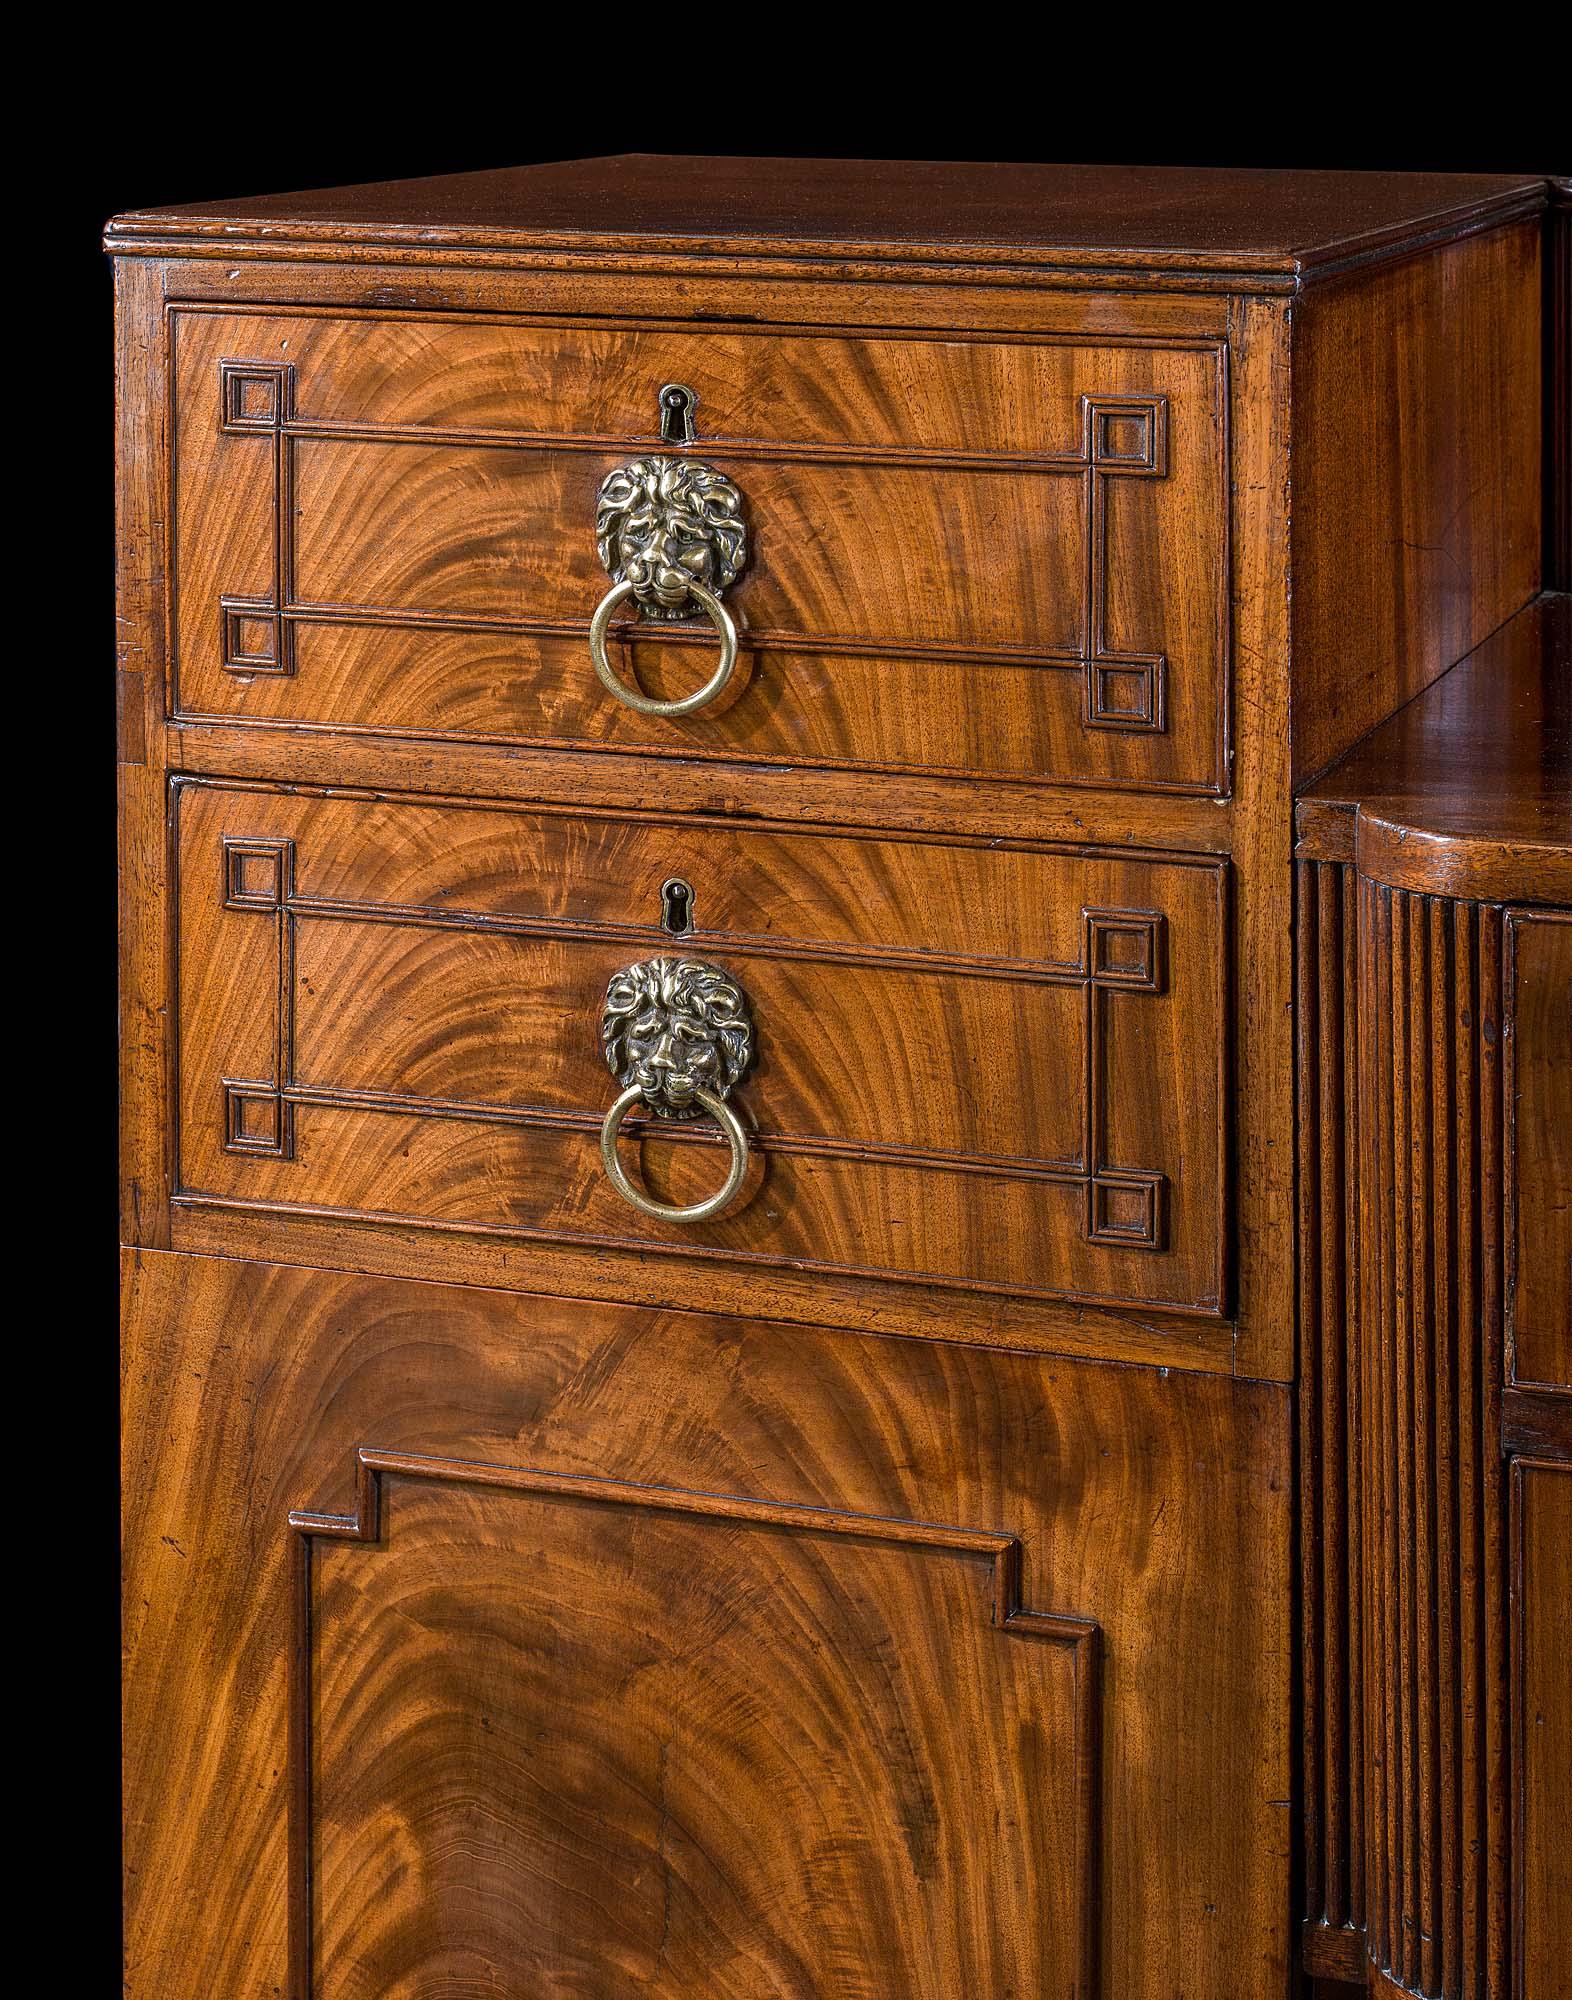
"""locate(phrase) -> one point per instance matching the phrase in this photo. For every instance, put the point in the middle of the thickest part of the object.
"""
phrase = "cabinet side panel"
(1416, 478)
(1558, 388)
(139, 691)
(1263, 954)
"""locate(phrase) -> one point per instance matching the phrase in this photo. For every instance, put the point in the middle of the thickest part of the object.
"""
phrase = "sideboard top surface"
(1466, 791)
(1239, 221)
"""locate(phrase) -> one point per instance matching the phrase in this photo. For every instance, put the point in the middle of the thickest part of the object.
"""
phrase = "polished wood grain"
(1261, 355)
(900, 1607)
(438, 560)
(543, 1575)
(1558, 386)
(1434, 1058)
(1243, 228)
(1538, 1048)
(1467, 791)
(412, 1002)
(1430, 1178)
(1250, 825)
(452, 1777)
(1331, 1532)
(145, 962)
(1416, 452)
(1541, 1610)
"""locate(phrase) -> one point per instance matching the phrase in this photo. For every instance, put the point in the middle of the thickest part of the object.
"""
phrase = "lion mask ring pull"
(671, 534)
(677, 1034)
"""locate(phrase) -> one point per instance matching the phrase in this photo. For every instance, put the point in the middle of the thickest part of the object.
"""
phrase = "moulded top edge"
(1276, 227)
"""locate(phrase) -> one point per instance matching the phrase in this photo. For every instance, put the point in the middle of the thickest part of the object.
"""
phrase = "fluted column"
(1427, 1186)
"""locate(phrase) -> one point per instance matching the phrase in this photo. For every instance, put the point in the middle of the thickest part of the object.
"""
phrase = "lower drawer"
(989, 1065)
(486, 1643)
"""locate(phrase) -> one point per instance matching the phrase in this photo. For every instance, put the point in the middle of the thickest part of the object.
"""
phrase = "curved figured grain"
(991, 1066)
(936, 564)
(782, 1719)
(1430, 1171)
(755, 385)
(551, 1572)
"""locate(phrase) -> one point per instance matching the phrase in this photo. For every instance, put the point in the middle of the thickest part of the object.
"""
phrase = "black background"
(213, 107)
(209, 156)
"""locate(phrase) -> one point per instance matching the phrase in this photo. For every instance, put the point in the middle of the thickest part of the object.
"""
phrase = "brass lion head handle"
(672, 537)
(677, 1034)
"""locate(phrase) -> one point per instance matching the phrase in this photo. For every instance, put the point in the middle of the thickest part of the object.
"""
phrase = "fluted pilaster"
(1428, 1192)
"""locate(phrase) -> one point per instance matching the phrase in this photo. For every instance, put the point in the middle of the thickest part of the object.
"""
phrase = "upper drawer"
(973, 1063)
(1003, 556)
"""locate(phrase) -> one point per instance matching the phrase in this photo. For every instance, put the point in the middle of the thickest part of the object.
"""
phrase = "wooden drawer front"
(1001, 557)
(977, 1064)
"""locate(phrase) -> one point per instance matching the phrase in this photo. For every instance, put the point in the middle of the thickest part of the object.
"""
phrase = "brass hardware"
(677, 1034)
(676, 906)
(677, 403)
(671, 534)
(619, 593)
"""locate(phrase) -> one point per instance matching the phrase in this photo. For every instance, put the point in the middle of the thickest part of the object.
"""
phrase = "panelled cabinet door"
(571, 1736)
(490, 1645)
(1538, 1205)
(1541, 1619)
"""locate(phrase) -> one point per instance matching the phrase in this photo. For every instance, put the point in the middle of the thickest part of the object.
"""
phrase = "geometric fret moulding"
(1121, 437)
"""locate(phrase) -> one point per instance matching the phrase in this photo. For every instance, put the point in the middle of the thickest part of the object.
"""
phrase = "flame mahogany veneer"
(1091, 1520)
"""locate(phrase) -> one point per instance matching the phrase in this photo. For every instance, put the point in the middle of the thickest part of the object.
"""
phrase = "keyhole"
(676, 413)
(676, 906)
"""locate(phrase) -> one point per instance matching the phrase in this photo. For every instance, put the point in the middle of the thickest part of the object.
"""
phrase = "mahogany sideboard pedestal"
(846, 1085)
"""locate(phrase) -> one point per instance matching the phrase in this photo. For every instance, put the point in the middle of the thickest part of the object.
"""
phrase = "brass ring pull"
(723, 621)
(677, 1034)
(664, 1211)
(671, 534)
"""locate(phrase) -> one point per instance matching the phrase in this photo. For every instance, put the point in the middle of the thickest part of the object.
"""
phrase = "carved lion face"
(662, 521)
(672, 1025)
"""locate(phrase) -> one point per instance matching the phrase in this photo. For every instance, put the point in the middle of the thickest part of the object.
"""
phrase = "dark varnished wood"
(421, 1010)
(1413, 1024)
(1436, 1276)
(592, 1547)
(1558, 387)
(1467, 791)
(438, 562)
(656, 1605)
(448, 1605)
(1406, 554)
(1401, 1427)
(1234, 224)
(1433, 1501)
(1538, 1111)
(1541, 1611)
(1331, 1539)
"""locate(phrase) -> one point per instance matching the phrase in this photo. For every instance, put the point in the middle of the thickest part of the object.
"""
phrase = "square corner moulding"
(847, 1085)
